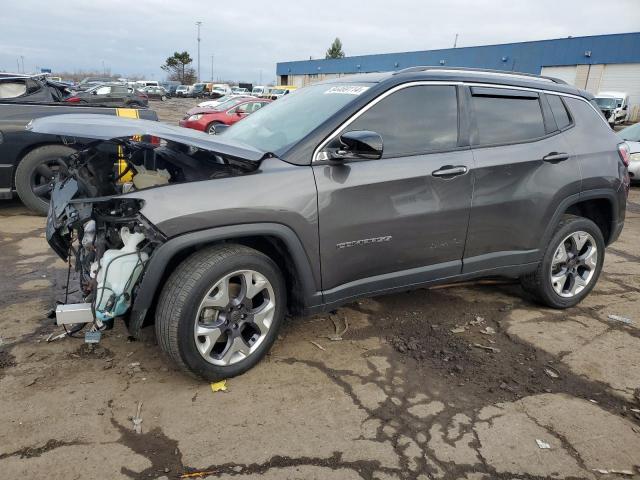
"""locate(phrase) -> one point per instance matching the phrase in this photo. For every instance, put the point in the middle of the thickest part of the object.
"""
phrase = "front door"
(401, 219)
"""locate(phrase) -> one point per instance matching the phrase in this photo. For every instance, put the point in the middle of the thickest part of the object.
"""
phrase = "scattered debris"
(604, 471)
(317, 345)
(198, 474)
(543, 445)
(32, 381)
(618, 318)
(338, 335)
(459, 330)
(551, 372)
(92, 336)
(477, 321)
(137, 420)
(488, 331)
(485, 347)
(51, 337)
(220, 386)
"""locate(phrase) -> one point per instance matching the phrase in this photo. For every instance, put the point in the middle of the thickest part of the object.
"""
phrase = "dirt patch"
(30, 452)
(6, 361)
(91, 350)
(436, 334)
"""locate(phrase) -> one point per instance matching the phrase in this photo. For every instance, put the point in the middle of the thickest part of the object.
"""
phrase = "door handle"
(450, 171)
(555, 157)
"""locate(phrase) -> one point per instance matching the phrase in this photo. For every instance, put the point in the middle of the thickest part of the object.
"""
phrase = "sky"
(247, 38)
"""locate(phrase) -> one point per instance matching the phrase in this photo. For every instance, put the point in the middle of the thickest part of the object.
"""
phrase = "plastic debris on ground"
(619, 318)
(551, 372)
(220, 386)
(458, 330)
(316, 344)
(543, 445)
(197, 474)
(137, 420)
(487, 348)
(488, 331)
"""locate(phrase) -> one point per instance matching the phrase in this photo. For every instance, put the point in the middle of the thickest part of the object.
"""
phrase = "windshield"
(608, 102)
(229, 103)
(278, 91)
(631, 134)
(294, 116)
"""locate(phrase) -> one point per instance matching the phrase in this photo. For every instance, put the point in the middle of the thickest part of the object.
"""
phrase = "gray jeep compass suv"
(349, 188)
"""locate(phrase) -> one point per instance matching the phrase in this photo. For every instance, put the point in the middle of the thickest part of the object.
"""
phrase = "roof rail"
(481, 70)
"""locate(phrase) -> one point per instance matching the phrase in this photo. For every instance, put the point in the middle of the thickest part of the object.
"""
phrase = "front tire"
(571, 264)
(35, 174)
(211, 128)
(220, 311)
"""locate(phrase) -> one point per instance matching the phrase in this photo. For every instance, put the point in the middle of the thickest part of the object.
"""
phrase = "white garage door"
(568, 74)
(623, 77)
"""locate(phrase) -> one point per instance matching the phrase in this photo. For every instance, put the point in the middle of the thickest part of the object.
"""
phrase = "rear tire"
(211, 128)
(31, 176)
(214, 335)
(571, 264)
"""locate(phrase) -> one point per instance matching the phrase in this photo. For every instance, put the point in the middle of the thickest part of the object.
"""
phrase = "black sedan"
(111, 95)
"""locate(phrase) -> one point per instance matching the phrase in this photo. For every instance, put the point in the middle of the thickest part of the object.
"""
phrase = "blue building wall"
(527, 57)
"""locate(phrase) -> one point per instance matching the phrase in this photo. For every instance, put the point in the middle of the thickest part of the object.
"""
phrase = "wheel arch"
(599, 206)
(277, 241)
(27, 150)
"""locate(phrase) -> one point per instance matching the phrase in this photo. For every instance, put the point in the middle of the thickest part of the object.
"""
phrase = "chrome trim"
(316, 152)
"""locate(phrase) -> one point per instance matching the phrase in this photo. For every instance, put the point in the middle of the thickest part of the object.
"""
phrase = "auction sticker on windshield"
(347, 90)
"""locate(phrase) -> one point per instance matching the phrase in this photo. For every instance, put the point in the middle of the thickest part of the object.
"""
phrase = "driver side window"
(413, 120)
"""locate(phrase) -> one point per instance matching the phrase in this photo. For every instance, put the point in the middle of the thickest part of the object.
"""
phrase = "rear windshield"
(289, 119)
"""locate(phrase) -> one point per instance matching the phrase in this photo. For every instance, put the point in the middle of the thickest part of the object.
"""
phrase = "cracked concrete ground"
(400, 397)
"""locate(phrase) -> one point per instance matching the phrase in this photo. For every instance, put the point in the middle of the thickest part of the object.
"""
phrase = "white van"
(614, 106)
(147, 83)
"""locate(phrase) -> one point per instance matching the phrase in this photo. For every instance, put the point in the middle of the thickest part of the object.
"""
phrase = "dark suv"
(355, 187)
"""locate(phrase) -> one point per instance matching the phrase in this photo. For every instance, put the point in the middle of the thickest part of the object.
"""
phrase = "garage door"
(623, 77)
(568, 74)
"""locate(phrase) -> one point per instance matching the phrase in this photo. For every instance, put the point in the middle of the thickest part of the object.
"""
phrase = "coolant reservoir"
(150, 178)
(118, 274)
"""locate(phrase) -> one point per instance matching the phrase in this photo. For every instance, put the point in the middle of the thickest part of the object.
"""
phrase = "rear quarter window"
(505, 119)
(559, 111)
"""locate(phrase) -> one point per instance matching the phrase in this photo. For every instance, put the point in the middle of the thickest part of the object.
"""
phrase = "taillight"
(625, 153)
(72, 99)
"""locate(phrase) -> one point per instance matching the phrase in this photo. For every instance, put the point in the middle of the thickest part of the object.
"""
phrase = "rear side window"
(506, 119)
(559, 111)
(414, 120)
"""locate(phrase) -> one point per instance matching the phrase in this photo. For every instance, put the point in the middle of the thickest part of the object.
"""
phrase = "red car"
(206, 119)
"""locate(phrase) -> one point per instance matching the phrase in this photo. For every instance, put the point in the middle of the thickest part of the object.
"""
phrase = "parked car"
(221, 100)
(206, 119)
(258, 90)
(90, 82)
(239, 92)
(632, 136)
(111, 95)
(157, 93)
(280, 91)
(219, 90)
(140, 84)
(389, 181)
(199, 90)
(184, 90)
(30, 161)
(614, 106)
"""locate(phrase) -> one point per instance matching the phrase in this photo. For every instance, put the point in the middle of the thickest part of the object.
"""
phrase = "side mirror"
(626, 107)
(95, 92)
(359, 144)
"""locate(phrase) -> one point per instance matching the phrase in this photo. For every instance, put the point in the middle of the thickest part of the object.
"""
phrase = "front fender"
(156, 267)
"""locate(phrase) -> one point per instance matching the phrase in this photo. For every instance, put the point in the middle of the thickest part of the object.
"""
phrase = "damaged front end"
(95, 221)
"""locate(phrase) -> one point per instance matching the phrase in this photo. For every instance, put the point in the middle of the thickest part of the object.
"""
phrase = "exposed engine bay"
(95, 223)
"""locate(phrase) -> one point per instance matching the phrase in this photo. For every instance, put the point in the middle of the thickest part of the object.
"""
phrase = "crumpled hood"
(108, 127)
(205, 110)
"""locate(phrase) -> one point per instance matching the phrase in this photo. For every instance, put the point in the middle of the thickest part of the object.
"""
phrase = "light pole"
(198, 24)
(211, 68)
(22, 58)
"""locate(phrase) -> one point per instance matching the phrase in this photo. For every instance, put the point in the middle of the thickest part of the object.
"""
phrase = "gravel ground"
(405, 394)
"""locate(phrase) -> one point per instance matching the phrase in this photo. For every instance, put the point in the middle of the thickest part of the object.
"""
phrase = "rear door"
(399, 219)
(524, 168)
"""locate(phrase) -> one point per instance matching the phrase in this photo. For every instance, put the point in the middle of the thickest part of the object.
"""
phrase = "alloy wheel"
(234, 317)
(574, 264)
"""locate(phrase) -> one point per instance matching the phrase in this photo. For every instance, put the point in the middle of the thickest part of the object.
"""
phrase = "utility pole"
(211, 68)
(455, 42)
(22, 58)
(198, 24)
(104, 72)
